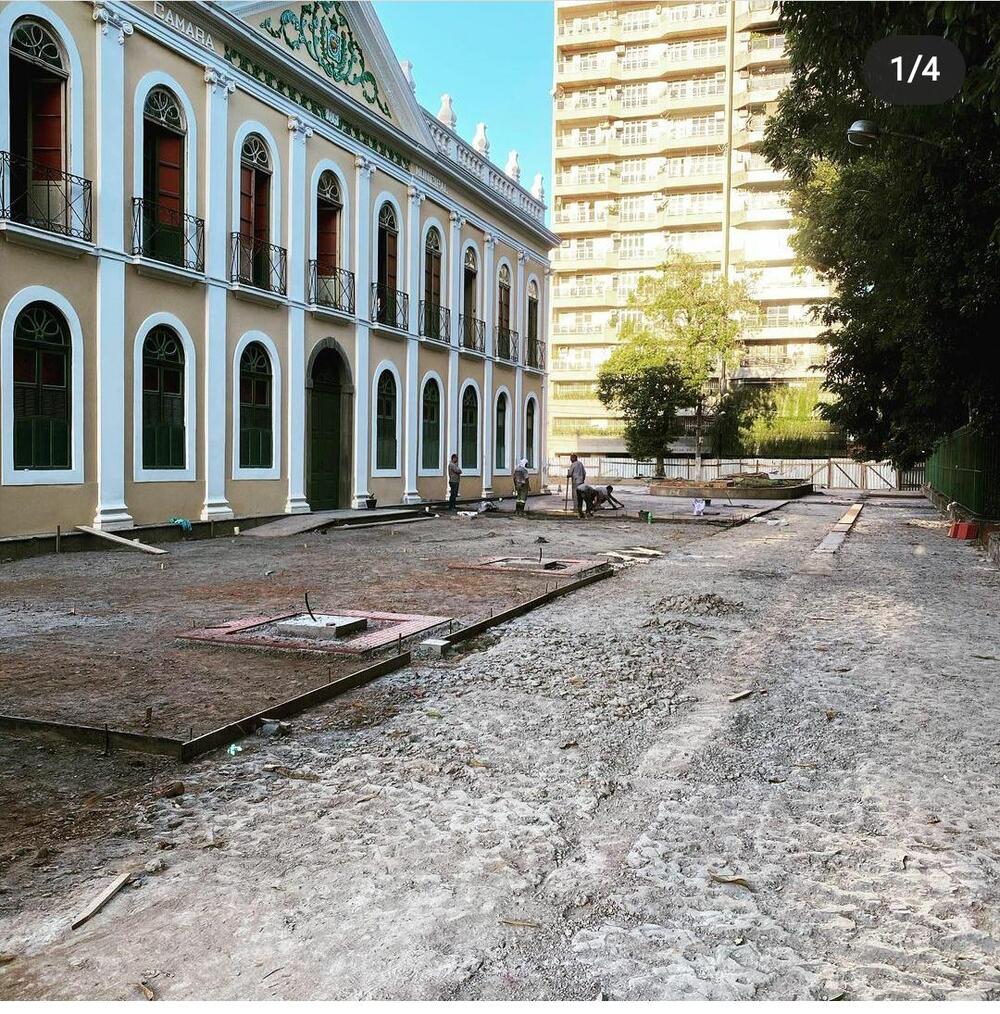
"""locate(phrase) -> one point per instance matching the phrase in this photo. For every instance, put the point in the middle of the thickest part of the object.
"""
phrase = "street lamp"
(863, 133)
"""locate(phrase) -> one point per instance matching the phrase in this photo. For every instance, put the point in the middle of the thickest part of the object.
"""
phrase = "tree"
(907, 231)
(645, 386)
(696, 318)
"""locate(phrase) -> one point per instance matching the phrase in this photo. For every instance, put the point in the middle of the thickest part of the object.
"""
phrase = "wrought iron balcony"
(506, 346)
(435, 321)
(472, 333)
(162, 234)
(390, 307)
(331, 286)
(534, 354)
(262, 265)
(35, 194)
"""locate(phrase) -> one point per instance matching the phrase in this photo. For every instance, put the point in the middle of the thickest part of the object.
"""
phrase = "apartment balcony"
(790, 331)
(674, 21)
(759, 89)
(597, 295)
(755, 169)
(435, 322)
(472, 334)
(685, 103)
(790, 289)
(770, 214)
(168, 236)
(766, 368)
(689, 63)
(575, 147)
(330, 287)
(566, 184)
(758, 14)
(767, 51)
(569, 225)
(261, 266)
(580, 329)
(605, 69)
(506, 342)
(36, 195)
(390, 308)
(534, 354)
(665, 218)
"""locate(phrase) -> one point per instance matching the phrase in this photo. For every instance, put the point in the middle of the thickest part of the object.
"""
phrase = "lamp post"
(866, 133)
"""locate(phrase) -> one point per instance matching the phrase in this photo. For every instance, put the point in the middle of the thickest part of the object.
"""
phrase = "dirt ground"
(90, 638)
(574, 808)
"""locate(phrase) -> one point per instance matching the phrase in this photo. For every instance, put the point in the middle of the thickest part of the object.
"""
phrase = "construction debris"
(101, 900)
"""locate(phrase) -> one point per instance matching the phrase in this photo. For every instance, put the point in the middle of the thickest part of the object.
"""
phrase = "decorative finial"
(513, 167)
(407, 68)
(446, 114)
(479, 142)
(538, 187)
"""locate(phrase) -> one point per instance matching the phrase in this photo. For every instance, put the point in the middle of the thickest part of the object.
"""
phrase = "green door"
(325, 417)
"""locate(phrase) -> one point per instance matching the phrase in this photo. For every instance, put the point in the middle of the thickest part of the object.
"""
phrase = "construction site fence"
(823, 473)
(965, 469)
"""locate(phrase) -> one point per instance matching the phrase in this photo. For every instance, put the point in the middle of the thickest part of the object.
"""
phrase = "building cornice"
(347, 114)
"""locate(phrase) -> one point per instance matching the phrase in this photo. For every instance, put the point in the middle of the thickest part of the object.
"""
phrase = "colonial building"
(242, 272)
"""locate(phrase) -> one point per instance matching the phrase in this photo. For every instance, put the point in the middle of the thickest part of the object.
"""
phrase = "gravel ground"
(574, 808)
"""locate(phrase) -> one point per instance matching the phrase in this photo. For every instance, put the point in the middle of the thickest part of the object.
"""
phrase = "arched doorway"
(330, 445)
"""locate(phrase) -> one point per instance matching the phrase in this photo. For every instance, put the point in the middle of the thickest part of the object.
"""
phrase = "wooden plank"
(118, 540)
(92, 735)
(102, 899)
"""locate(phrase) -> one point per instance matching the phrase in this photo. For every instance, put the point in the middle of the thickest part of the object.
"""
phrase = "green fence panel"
(965, 467)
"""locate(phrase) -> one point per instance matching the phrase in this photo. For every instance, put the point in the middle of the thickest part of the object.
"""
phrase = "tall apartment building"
(659, 115)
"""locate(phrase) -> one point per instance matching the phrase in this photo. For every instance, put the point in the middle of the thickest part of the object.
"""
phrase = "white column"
(112, 511)
(521, 316)
(411, 414)
(298, 198)
(364, 169)
(543, 433)
(219, 87)
(455, 296)
(489, 295)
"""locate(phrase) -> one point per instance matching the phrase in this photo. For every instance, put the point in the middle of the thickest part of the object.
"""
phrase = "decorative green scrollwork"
(322, 28)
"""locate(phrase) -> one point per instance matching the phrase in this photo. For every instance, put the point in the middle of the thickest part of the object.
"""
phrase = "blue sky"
(494, 59)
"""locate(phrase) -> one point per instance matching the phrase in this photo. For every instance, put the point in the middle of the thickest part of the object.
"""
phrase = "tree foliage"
(907, 231)
(642, 384)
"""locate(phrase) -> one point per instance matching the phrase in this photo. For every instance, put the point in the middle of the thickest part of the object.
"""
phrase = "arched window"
(163, 178)
(387, 304)
(503, 297)
(470, 429)
(254, 256)
(38, 192)
(386, 409)
(162, 399)
(529, 432)
(432, 316)
(329, 205)
(501, 433)
(42, 365)
(430, 427)
(256, 421)
(505, 337)
(469, 273)
(533, 355)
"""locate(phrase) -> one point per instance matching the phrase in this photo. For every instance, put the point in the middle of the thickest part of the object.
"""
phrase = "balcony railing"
(534, 354)
(390, 307)
(163, 234)
(506, 344)
(38, 195)
(262, 265)
(331, 286)
(435, 321)
(472, 333)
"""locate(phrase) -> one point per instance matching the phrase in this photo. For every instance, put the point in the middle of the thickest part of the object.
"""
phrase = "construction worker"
(576, 476)
(454, 477)
(595, 497)
(521, 484)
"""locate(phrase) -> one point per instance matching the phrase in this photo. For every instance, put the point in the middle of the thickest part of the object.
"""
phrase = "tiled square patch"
(544, 567)
(383, 630)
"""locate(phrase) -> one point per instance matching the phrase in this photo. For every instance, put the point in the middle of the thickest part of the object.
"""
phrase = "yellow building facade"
(243, 272)
(659, 114)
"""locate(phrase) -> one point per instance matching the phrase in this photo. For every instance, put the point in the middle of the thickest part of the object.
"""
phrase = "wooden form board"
(128, 543)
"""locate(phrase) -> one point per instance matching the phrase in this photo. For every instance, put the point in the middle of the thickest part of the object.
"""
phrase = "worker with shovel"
(521, 485)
